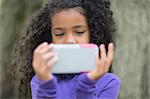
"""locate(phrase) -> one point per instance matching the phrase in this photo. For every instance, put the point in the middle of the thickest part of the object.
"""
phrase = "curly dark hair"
(101, 26)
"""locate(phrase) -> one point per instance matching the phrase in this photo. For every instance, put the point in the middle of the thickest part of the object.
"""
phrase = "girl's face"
(69, 27)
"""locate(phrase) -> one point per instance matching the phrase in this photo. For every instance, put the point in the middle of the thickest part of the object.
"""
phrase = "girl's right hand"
(43, 60)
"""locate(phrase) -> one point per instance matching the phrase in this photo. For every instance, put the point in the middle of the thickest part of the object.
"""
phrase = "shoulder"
(108, 80)
(107, 87)
(111, 76)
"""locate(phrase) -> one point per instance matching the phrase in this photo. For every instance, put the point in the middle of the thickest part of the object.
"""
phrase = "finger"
(51, 47)
(97, 58)
(52, 61)
(102, 51)
(46, 49)
(110, 52)
(41, 46)
(47, 57)
(35, 55)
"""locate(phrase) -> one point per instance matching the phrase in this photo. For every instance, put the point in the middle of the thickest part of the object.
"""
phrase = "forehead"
(69, 17)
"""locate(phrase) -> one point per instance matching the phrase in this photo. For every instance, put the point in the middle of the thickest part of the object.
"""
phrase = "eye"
(59, 34)
(80, 33)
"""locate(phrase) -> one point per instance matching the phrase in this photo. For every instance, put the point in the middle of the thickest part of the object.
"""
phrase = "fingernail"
(51, 46)
(44, 43)
(56, 57)
(111, 44)
(102, 45)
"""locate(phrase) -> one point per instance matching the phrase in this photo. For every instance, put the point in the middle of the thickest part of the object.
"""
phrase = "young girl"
(68, 22)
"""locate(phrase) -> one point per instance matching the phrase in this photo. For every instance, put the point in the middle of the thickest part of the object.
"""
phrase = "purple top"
(79, 87)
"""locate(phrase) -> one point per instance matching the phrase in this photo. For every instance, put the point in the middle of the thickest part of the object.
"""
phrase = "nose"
(71, 39)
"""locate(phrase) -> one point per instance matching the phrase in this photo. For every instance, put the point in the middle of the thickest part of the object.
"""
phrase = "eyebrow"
(78, 26)
(74, 27)
(58, 29)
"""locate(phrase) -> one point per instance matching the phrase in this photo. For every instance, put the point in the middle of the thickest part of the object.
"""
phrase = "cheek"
(57, 40)
(87, 36)
(84, 38)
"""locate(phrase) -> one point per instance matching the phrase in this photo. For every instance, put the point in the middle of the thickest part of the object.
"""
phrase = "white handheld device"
(75, 58)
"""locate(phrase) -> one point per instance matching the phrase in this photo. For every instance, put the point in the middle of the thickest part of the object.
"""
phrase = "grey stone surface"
(133, 47)
(12, 17)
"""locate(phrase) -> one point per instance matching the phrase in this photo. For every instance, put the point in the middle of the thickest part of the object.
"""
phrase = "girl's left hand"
(103, 62)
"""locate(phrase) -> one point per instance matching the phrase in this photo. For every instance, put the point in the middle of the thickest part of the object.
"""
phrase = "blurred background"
(132, 56)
